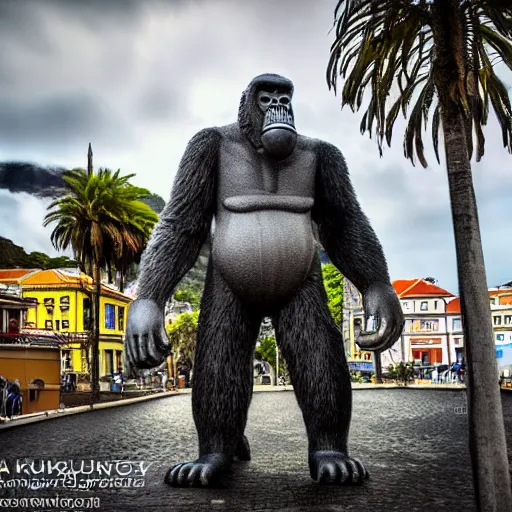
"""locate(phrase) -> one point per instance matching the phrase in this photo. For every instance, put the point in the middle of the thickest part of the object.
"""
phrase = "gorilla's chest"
(243, 171)
(263, 243)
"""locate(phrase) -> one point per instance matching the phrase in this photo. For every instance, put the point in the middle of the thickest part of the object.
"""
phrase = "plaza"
(413, 441)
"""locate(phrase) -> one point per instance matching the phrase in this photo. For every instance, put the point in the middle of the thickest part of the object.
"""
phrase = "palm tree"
(442, 53)
(104, 222)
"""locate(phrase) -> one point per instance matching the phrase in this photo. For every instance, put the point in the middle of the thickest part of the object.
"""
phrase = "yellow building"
(64, 304)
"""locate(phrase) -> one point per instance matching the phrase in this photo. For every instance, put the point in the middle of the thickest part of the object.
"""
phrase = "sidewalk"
(26, 419)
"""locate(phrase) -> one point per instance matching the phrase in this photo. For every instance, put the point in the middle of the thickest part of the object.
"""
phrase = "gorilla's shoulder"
(231, 132)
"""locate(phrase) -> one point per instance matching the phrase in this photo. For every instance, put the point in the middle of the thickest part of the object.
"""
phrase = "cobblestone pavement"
(414, 443)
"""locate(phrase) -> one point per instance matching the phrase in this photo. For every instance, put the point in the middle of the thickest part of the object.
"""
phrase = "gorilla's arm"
(173, 248)
(353, 247)
(185, 222)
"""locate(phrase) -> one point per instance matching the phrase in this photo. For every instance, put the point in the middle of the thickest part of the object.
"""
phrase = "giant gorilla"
(269, 191)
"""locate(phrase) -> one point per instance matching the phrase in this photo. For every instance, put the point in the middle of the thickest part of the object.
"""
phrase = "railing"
(33, 339)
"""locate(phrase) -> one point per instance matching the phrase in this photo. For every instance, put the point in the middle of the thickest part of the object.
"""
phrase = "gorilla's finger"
(153, 358)
(362, 468)
(354, 471)
(171, 475)
(162, 343)
(344, 474)
(142, 351)
(183, 473)
(131, 339)
(194, 475)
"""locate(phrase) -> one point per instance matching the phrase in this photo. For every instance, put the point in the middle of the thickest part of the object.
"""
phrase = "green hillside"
(14, 256)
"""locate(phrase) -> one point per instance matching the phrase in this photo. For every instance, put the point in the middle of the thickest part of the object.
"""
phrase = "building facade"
(32, 358)
(64, 306)
(501, 310)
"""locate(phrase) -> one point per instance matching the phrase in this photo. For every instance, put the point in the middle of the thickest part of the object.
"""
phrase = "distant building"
(501, 309)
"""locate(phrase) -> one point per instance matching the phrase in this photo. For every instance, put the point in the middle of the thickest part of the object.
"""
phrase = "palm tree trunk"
(121, 280)
(109, 271)
(487, 443)
(95, 371)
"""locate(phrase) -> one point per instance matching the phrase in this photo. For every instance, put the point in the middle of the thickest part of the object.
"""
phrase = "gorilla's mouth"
(279, 116)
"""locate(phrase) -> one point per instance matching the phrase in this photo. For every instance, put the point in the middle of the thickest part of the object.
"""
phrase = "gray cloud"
(138, 79)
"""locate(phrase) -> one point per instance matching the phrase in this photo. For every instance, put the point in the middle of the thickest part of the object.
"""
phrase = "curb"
(38, 417)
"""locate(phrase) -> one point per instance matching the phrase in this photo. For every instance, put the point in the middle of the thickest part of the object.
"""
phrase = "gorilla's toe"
(332, 467)
(204, 472)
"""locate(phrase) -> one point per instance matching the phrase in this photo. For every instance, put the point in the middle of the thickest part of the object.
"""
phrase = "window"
(497, 320)
(110, 316)
(64, 303)
(66, 359)
(435, 304)
(120, 318)
(109, 362)
(87, 316)
(424, 306)
(508, 319)
(456, 324)
(65, 324)
(57, 325)
(429, 325)
(48, 324)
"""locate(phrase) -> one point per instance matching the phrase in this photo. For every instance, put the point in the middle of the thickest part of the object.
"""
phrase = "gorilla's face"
(278, 134)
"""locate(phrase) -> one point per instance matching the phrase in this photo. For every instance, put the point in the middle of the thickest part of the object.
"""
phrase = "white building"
(433, 328)
(501, 309)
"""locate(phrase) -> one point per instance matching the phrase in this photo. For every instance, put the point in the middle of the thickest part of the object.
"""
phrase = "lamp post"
(277, 365)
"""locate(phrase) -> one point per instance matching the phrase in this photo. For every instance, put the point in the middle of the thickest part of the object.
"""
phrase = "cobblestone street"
(414, 443)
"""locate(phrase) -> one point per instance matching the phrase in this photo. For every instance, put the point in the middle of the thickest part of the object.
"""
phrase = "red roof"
(418, 288)
(13, 274)
(453, 306)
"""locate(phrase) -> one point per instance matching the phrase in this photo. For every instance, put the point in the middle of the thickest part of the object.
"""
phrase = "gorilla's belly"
(264, 246)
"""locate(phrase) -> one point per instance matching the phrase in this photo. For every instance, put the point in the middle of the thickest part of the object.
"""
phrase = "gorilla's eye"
(265, 99)
(284, 100)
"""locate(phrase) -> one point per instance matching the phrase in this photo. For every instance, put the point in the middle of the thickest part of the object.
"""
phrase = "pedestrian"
(13, 326)
(14, 399)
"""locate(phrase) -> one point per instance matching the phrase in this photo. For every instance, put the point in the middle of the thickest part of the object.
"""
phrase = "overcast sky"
(137, 79)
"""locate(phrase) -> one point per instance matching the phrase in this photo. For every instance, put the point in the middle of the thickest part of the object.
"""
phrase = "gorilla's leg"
(223, 383)
(313, 349)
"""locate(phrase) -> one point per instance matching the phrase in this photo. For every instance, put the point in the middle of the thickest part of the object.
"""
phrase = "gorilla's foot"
(332, 467)
(203, 472)
(243, 450)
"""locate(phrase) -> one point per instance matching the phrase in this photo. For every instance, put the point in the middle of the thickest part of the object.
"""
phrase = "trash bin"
(181, 381)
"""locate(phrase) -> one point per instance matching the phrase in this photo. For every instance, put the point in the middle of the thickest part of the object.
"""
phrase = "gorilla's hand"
(146, 343)
(383, 310)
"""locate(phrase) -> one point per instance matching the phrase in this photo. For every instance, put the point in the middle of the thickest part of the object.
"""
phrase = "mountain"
(155, 202)
(14, 256)
(32, 179)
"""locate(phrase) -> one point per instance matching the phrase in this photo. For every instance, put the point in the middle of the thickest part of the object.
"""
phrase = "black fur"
(343, 228)
(313, 348)
(185, 222)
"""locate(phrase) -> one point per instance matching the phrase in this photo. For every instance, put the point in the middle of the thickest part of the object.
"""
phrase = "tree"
(183, 336)
(103, 221)
(333, 283)
(442, 52)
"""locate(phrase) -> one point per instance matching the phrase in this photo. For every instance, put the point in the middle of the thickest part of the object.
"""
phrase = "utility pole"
(89, 160)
